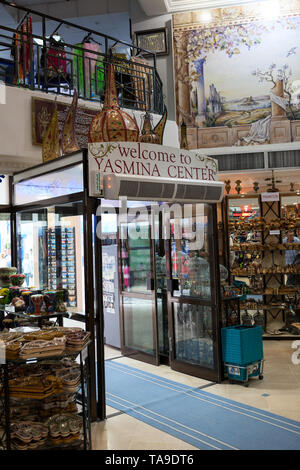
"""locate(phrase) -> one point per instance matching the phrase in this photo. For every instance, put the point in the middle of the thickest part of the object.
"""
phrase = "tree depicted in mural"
(191, 50)
(194, 45)
(276, 74)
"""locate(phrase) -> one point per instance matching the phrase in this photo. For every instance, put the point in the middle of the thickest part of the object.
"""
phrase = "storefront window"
(50, 251)
(135, 253)
(193, 334)
(138, 325)
(50, 185)
(4, 190)
(5, 241)
(190, 253)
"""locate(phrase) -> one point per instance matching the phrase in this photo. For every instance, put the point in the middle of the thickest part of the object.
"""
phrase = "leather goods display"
(35, 387)
(76, 341)
(64, 428)
(43, 394)
(28, 435)
(42, 348)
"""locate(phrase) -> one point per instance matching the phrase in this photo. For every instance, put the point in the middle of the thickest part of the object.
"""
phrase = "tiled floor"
(278, 392)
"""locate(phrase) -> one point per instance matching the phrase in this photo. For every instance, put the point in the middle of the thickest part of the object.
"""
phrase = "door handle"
(170, 343)
(172, 284)
(150, 284)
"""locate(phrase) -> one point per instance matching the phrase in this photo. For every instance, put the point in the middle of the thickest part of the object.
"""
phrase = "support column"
(201, 102)
(280, 128)
(184, 105)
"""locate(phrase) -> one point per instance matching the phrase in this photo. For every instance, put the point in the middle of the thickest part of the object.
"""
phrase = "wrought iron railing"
(45, 62)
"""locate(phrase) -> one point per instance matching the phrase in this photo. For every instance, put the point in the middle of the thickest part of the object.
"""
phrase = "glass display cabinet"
(54, 247)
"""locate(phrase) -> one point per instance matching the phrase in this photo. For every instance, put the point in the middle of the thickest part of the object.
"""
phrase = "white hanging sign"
(143, 159)
(4, 190)
(270, 197)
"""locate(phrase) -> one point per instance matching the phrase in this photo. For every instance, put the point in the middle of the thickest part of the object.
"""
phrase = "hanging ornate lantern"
(112, 123)
(159, 129)
(183, 137)
(69, 142)
(148, 134)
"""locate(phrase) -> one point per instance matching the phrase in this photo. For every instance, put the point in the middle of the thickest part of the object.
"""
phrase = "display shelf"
(66, 353)
(265, 248)
(266, 271)
(82, 399)
(42, 317)
(266, 268)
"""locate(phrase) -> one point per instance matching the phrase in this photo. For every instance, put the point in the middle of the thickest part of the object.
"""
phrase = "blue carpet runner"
(204, 420)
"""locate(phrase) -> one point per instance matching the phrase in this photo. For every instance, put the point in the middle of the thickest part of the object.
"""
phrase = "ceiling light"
(270, 9)
(206, 16)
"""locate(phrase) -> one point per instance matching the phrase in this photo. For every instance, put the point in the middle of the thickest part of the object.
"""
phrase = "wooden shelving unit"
(268, 251)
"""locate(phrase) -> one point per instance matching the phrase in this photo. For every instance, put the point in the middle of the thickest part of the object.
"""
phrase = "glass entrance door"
(193, 293)
(138, 297)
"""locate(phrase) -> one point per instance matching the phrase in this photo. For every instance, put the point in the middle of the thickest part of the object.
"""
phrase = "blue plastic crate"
(242, 345)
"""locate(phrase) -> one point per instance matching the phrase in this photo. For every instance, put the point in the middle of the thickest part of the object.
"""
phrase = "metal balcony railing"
(39, 59)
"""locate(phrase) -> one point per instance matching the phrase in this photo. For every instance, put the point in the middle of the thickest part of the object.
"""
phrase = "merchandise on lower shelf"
(42, 402)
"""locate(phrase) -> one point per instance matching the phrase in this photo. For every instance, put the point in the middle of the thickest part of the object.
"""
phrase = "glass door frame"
(216, 374)
(125, 350)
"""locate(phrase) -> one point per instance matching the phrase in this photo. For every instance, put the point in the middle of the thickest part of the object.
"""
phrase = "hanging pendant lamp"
(112, 124)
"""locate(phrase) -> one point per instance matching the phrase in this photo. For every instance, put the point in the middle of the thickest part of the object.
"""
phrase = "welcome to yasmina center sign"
(142, 159)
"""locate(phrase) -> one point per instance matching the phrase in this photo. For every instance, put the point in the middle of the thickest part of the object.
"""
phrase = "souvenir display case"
(262, 250)
(54, 247)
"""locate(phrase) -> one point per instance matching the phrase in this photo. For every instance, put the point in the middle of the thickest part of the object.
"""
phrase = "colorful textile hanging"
(26, 29)
(51, 147)
(69, 141)
(112, 123)
(88, 69)
(21, 51)
(56, 60)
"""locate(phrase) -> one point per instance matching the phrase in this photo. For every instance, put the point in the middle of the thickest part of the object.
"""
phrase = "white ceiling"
(159, 7)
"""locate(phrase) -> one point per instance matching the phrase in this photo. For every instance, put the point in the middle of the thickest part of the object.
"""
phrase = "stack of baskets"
(242, 352)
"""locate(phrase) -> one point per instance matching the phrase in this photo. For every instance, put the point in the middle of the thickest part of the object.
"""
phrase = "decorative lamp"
(159, 129)
(112, 124)
(148, 134)
(183, 137)
(227, 186)
(69, 142)
(238, 187)
(255, 186)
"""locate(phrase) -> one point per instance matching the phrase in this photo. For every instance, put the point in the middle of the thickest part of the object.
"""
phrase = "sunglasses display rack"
(62, 261)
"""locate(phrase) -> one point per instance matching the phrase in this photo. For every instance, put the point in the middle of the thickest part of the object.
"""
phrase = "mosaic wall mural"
(237, 77)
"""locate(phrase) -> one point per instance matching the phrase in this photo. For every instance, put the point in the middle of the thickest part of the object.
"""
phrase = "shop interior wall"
(142, 22)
